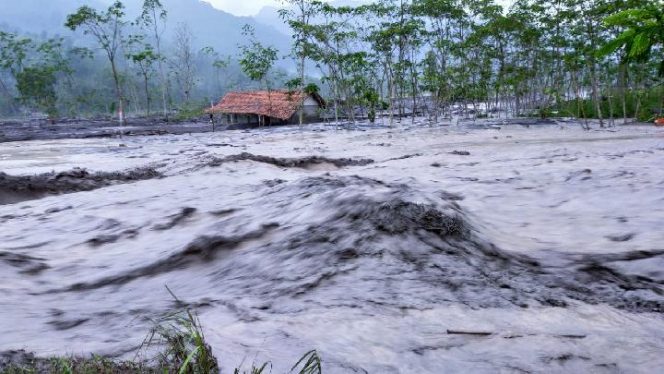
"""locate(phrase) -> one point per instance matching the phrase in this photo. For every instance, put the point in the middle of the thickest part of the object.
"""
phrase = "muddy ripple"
(28, 187)
(364, 243)
(299, 162)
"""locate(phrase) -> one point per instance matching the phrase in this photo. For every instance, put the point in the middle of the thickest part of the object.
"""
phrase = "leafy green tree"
(107, 29)
(145, 60)
(13, 53)
(643, 31)
(257, 60)
(153, 18)
(34, 67)
(36, 85)
(299, 18)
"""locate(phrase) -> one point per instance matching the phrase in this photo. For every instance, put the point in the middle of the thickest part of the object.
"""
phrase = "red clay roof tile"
(276, 104)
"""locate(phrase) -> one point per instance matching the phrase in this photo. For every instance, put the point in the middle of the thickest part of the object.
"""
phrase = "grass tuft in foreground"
(177, 337)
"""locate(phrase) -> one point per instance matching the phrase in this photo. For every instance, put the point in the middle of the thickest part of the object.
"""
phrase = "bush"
(650, 104)
(190, 112)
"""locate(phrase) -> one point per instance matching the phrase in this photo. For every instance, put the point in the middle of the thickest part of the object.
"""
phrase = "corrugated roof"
(276, 104)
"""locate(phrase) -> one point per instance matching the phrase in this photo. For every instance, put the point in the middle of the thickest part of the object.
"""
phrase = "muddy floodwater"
(415, 249)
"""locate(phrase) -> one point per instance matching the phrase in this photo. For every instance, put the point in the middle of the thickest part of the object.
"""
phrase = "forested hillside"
(580, 58)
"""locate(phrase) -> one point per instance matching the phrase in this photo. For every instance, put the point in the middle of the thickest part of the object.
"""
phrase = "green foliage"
(106, 27)
(14, 51)
(534, 54)
(310, 363)
(151, 12)
(254, 369)
(189, 112)
(95, 22)
(35, 68)
(145, 59)
(372, 99)
(311, 88)
(36, 86)
(256, 60)
(293, 84)
(643, 30)
(642, 105)
(186, 349)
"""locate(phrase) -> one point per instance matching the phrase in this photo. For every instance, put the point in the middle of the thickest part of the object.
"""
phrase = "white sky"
(242, 7)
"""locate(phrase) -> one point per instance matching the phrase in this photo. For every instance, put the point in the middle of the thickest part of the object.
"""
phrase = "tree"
(145, 60)
(219, 64)
(643, 31)
(13, 53)
(34, 68)
(257, 60)
(106, 27)
(36, 85)
(183, 65)
(153, 17)
(298, 18)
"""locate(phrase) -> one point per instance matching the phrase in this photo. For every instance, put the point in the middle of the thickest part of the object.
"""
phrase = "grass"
(72, 365)
(180, 341)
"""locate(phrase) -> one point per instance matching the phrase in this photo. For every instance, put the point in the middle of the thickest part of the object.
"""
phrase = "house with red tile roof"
(268, 107)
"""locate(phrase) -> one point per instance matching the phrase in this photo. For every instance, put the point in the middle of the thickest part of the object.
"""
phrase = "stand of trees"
(583, 58)
(436, 58)
(115, 65)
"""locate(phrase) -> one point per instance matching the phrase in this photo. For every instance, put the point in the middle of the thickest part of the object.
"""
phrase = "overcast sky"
(243, 7)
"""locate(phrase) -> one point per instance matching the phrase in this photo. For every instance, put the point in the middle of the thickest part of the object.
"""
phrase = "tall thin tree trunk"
(162, 75)
(118, 93)
(661, 98)
(302, 61)
(623, 90)
(147, 95)
(301, 119)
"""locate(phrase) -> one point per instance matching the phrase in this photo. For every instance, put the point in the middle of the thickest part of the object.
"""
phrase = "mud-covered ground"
(416, 249)
(12, 131)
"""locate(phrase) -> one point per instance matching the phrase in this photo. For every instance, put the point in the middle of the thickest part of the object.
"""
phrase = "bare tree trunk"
(118, 93)
(623, 94)
(596, 96)
(160, 63)
(336, 101)
(661, 98)
(147, 94)
(301, 119)
(302, 61)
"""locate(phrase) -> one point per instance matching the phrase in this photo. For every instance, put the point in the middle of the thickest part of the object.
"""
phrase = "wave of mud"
(27, 264)
(201, 250)
(300, 162)
(28, 187)
(359, 242)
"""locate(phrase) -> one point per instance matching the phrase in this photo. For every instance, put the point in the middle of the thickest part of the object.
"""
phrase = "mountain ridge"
(210, 26)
